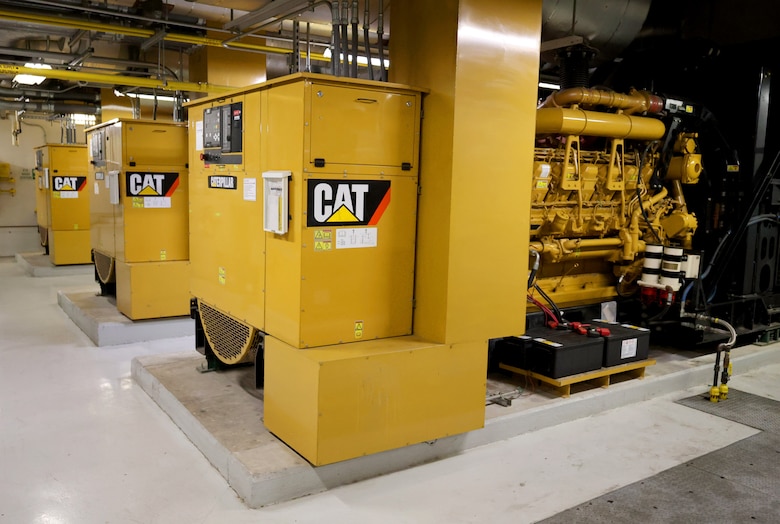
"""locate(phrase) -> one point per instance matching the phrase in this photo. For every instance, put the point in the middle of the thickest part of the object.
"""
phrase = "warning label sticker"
(351, 238)
(323, 239)
(358, 329)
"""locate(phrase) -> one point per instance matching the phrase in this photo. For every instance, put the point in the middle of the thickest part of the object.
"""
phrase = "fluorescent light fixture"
(81, 119)
(547, 85)
(362, 60)
(31, 80)
(145, 96)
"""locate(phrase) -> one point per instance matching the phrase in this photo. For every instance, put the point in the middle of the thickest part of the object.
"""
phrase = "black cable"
(553, 306)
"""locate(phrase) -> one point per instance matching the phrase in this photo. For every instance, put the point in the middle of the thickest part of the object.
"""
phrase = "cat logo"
(152, 184)
(68, 183)
(354, 203)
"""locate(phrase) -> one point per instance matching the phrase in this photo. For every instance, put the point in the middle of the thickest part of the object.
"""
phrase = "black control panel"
(223, 134)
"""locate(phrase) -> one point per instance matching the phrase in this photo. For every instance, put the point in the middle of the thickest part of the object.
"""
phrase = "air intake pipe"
(630, 103)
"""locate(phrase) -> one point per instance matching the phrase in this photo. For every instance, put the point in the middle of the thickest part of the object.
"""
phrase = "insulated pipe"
(49, 107)
(633, 102)
(367, 41)
(380, 30)
(345, 35)
(555, 120)
(355, 21)
(335, 61)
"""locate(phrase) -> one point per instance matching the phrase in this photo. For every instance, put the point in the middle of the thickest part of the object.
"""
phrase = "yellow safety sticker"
(358, 329)
(323, 239)
(163, 255)
(138, 202)
(222, 276)
(541, 184)
(732, 168)
(55, 194)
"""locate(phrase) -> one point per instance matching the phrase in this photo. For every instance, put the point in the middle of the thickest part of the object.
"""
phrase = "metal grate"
(232, 341)
(748, 409)
(104, 265)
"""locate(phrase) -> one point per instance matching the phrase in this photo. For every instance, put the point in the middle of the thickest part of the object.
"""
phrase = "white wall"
(18, 224)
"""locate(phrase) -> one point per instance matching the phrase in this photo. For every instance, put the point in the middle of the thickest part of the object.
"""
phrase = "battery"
(513, 351)
(557, 354)
(625, 343)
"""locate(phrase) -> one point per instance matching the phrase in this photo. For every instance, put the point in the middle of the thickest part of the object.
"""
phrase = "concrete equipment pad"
(39, 265)
(98, 317)
(224, 420)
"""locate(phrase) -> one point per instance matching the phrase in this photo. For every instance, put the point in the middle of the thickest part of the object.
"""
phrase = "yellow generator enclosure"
(62, 202)
(139, 235)
(303, 208)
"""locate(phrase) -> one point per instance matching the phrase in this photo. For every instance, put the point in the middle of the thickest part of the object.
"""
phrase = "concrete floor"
(81, 443)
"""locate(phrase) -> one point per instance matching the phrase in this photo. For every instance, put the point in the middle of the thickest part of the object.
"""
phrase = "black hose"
(368, 53)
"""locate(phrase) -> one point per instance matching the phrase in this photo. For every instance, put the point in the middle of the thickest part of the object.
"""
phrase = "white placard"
(97, 188)
(353, 237)
(628, 348)
(199, 135)
(157, 202)
(69, 194)
(250, 189)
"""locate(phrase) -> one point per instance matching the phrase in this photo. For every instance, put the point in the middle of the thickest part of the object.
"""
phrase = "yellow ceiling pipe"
(106, 79)
(142, 33)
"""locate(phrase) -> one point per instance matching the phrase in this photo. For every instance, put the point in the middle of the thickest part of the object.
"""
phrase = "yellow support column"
(480, 60)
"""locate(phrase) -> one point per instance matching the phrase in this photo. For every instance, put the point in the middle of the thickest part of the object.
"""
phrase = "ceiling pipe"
(49, 107)
(49, 95)
(142, 33)
(79, 8)
(113, 80)
(65, 58)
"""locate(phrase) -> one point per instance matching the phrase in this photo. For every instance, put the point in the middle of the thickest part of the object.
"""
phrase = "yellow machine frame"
(62, 202)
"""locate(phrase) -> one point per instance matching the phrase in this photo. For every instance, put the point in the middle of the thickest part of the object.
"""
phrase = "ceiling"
(145, 45)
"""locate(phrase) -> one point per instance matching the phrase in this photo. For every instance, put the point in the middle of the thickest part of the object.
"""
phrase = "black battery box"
(625, 343)
(557, 354)
(513, 351)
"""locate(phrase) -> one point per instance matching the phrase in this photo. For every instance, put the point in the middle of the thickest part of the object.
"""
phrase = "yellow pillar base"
(340, 402)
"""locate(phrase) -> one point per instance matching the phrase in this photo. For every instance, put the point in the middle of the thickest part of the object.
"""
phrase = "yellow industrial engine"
(139, 233)
(602, 195)
(62, 202)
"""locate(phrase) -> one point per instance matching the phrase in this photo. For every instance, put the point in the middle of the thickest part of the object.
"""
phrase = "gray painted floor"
(738, 483)
(80, 442)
